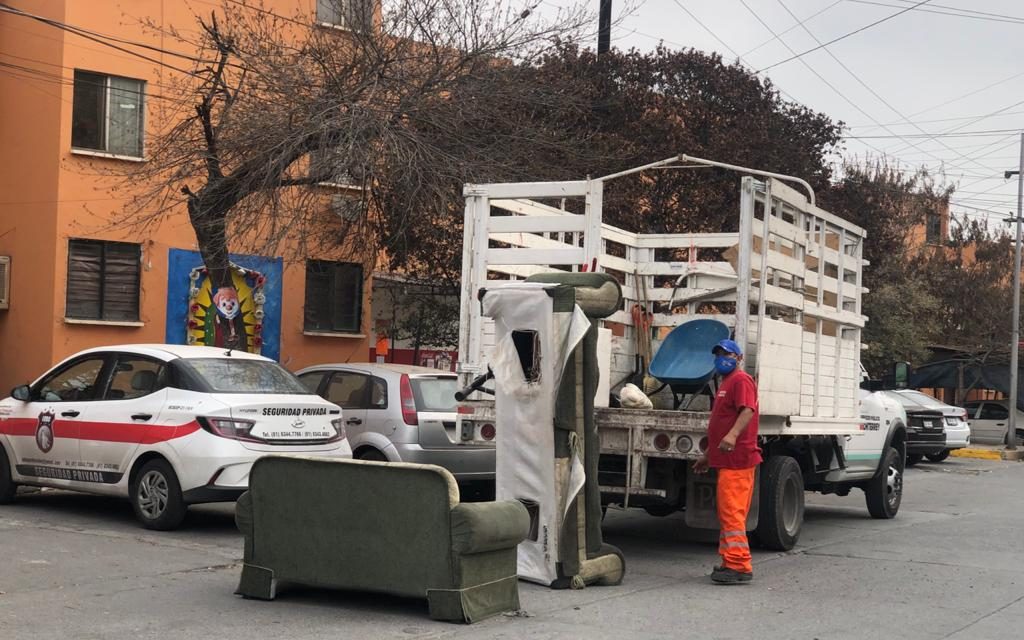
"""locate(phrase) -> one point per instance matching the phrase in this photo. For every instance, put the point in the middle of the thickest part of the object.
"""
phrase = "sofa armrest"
(487, 526)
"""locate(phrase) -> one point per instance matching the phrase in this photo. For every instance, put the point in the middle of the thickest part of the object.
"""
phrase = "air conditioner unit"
(5, 282)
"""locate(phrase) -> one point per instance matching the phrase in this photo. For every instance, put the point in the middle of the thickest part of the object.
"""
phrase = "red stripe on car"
(102, 431)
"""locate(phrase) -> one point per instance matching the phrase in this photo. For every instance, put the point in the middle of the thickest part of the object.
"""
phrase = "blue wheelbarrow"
(685, 362)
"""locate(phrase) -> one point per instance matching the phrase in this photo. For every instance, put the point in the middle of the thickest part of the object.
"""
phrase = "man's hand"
(728, 442)
(701, 465)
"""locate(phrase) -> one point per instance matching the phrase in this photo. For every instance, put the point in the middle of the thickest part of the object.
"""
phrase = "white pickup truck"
(787, 285)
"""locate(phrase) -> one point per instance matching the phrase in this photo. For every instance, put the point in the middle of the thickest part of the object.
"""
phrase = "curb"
(979, 454)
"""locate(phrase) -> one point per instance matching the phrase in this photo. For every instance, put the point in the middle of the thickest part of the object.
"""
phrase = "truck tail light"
(230, 428)
(684, 444)
(408, 402)
(662, 442)
(487, 432)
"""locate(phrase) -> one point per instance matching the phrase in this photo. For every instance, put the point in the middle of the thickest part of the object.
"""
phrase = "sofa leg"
(476, 603)
(257, 582)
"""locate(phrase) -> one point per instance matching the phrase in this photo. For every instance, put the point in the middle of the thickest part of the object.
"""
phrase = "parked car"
(402, 413)
(958, 431)
(926, 430)
(164, 425)
(989, 420)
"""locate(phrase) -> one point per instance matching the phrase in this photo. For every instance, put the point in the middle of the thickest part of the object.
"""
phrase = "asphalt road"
(951, 565)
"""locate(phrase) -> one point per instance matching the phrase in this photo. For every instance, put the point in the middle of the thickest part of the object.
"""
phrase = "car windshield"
(233, 375)
(905, 401)
(923, 399)
(435, 394)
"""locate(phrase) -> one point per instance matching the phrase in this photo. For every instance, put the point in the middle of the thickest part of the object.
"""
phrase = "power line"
(708, 29)
(76, 30)
(935, 121)
(773, 39)
(844, 36)
(881, 99)
(930, 136)
(960, 13)
(808, 66)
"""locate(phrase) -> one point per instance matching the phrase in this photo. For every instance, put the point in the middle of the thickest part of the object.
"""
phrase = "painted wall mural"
(252, 308)
(230, 316)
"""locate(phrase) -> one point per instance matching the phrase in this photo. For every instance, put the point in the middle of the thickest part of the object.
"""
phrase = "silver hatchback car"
(402, 413)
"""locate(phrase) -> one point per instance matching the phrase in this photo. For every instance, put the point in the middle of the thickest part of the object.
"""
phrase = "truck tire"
(884, 492)
(938, 457)
(781, 507)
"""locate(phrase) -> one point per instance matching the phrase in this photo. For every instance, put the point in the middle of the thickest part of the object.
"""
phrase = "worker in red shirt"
(733, 451)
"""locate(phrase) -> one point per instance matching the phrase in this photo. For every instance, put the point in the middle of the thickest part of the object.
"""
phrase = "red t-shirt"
(736, 393)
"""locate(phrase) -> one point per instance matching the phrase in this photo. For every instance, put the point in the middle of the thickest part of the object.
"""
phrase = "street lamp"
(1011, 429)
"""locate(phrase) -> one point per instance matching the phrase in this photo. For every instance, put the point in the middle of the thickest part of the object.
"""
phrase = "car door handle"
(142, 416)
(353, 421)
(71, 414)
(1000, 424)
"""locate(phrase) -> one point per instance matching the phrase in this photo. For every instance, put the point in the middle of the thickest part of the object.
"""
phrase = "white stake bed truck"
(787, 285)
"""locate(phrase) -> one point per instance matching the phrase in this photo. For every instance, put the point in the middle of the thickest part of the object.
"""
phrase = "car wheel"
(370, 454)
(781, 505)
(913, 458)
(7, 486)
(884, 492)
(938, 457)
(1020, 438)
(156, 496)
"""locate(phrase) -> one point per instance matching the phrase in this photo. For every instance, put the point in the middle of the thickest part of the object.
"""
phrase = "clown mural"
(230, 316)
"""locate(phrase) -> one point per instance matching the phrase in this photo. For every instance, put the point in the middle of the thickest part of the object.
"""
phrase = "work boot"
(724, 575)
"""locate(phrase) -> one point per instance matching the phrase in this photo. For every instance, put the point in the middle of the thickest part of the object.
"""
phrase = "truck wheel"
(884, 492)
(661, 510)
(913, 458)
(938, 457)
(7, 486)
(781, 507)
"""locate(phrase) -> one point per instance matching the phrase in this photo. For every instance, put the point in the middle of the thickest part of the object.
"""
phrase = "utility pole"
(604, 28)
(1011, 429)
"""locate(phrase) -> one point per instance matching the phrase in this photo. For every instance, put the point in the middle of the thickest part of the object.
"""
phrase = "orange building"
(71, 106)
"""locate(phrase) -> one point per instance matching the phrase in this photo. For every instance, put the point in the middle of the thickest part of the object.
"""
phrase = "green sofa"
(377, 526)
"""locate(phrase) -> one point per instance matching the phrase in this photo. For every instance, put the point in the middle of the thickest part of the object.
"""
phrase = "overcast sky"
(921, 66)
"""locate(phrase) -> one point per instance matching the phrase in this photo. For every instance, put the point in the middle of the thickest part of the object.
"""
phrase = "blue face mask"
(725, 365)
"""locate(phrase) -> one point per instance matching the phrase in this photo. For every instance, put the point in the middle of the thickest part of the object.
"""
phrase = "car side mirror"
(22, 393)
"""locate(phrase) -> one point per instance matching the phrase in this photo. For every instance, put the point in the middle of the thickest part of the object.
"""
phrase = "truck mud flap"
(702, 502)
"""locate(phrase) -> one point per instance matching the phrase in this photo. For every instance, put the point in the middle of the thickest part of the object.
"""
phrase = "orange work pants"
(735, 489)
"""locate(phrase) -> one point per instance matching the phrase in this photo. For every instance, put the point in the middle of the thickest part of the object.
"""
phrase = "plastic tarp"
(525, 411)
(945, 374)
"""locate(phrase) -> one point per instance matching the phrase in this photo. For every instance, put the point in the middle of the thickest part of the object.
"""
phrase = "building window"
(107, 114)
(933, 229)
(334, 296)
(103, 280)
(329, 168)
(356, 15)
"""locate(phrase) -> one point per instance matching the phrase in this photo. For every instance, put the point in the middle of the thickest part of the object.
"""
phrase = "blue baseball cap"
(727, 346)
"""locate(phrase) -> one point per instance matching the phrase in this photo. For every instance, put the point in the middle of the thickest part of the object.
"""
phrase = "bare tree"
(288, 137)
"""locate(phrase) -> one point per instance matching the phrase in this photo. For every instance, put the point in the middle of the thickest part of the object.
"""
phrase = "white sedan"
(164, 425)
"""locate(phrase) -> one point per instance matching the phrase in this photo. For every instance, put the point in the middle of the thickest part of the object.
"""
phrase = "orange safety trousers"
(735, 489)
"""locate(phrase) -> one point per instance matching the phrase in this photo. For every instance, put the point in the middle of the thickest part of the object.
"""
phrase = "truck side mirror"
(901, 372)
(872, 385)
(22, 393)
